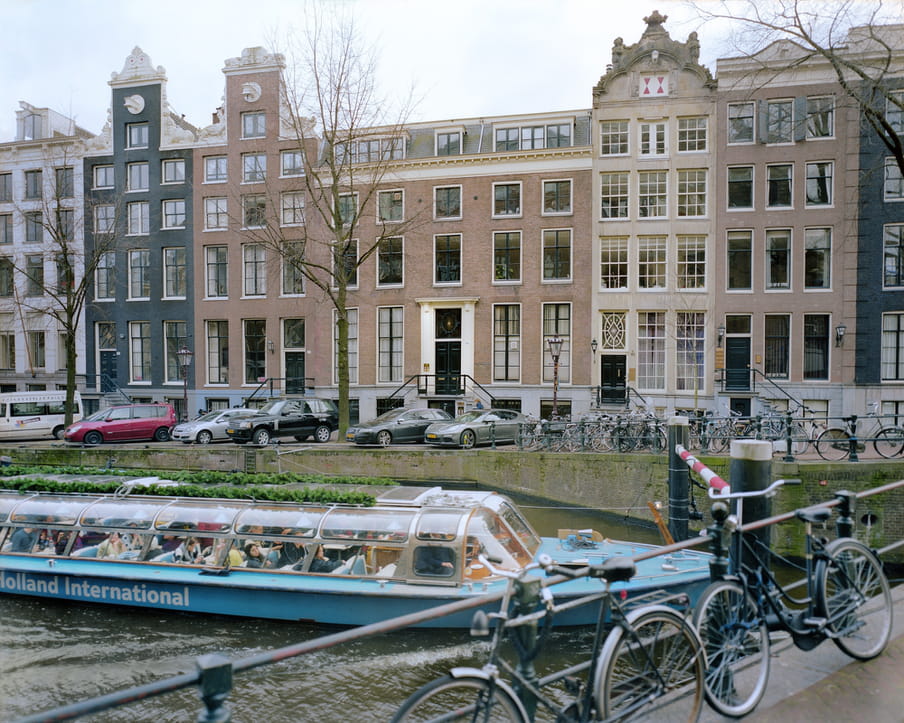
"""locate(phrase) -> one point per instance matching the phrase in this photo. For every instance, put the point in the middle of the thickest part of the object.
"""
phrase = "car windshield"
(390, 415)
(471, 416)
(271, 407)
(209, 417)
(99, 414)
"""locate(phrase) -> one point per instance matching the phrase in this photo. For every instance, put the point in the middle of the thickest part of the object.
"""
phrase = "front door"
(448, 351)
(737, 363)
(612, 378)
(108, 381)
(295, 383)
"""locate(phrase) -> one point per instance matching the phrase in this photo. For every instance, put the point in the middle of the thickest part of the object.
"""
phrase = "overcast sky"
(464, 58)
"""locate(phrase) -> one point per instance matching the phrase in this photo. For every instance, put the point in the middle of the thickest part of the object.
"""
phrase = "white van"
(26, 415)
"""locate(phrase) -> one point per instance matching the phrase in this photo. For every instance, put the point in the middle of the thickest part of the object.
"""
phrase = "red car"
(127, 422)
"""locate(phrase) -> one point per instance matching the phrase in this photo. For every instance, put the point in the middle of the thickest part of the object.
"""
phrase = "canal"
(53, 654)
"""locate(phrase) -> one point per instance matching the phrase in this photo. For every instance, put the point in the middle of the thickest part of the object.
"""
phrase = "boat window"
(133, 513)
(497, 539)
(368, 524)
(273, 520)
(7, 502)
(439, 525)
(521, 527)
(198, 516)
(51, 509)
(35, 541)
(434, 561)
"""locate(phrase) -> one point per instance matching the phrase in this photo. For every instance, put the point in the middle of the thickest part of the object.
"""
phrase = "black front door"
(612, 379)
(295, 383)
(448, 351)
(108, 380)
(737, 363)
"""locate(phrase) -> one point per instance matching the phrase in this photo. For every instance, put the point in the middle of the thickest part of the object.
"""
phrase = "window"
(614, 263)
(651, 262)
(104, 218)
(819, 183)
(215, 259)
(140, 351)
(138, 218)
(820, 117)
(66, 220)
(816, 346)
(447, 259)
(371, 151)
(506, 199)
(651, 350)
(255, 342)
(779, 185)
(254, 211)
(894, 183)
(391, 206)
(217, 352)
(613, 330)
(740, 187)
(448, 144)
(447, 202)
(6, 228)
(556, 197)
(507, 139)
(292, 208)
(292, 268)
(34, 275)
(64, 182)
(174, 170)
(254, 125)
(254, 167)
(780, 121)
(778, 346)
(556, 255)
(532, 137)
(7, 349)
(64, 273)
(103, 177)
(139, 274)
(653, 139)
(692, 134)
(691, 262)
(137, 177)
(215, 169)
(558, 135)
(506, 342)
(613, 195)
(390, 339)
(174, 213)
(292, 163)
(348, 208)
(893, 256)
(105, 276)
(137, 135)
(894, 110)
(740, 122)
(37, 349)
(614, 138)
(507, 256)
(692, 193)
(6, 187)
(174, 338)
(652, 194)
(33, 185)
(892, 347)
(215, 214)
(34, 227)
(293, 334)
(6, 277)
(352, 317)
(390, 256)
(778, 259)
(255, 276)
(740, 250)
(557, 322)
(689, 347)
(174, 272)
(817, 258)
(345, 263)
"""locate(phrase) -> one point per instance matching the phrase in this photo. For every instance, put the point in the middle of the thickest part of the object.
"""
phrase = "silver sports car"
(479, 426)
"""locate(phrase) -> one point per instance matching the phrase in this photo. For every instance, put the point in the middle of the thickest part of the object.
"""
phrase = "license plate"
(431, 436)
(230, 431)
(349, 437)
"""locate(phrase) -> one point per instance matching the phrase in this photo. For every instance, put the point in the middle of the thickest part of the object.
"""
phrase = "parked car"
(396, 426)
(124, 423)
(479, 426)
(210, 427)
(299, 418)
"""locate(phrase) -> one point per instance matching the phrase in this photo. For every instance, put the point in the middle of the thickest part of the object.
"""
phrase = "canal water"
(54, 654)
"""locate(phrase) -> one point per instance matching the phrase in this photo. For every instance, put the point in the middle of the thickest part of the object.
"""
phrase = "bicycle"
(835, 443)
(643, 659)
(847, 599)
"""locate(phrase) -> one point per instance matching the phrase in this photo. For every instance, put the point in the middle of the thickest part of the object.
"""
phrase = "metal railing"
(272, 387)
(445, 385)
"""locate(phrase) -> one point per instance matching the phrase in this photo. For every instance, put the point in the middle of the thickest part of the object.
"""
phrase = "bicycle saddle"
(820, 514)
(615, 569)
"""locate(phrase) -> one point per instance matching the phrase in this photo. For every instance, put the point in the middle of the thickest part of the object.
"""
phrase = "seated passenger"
(290, 554)
(233, 558)
(321, 563)
(113, 546)
(23, 539)
(255, 557)
(59, 542)
(434, 561)
(189, 551)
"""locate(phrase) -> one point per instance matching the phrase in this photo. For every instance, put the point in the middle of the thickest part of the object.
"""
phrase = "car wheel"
(261, 436)
(58, 432)
(384, 438)
(162, 435)
(204, 437)
(322, 433)
(93, 438)
(468, 439)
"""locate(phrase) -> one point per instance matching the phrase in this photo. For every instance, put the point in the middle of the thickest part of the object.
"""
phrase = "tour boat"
(416, 548)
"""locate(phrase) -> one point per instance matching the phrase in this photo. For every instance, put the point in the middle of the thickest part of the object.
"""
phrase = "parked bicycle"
(643, 660)
(847, 599)
(835, 442)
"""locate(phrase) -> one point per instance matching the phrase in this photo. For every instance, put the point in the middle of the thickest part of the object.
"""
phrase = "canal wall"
(619, 484)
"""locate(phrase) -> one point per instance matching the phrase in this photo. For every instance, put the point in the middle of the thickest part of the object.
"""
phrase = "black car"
(396, 426)
(299, 418)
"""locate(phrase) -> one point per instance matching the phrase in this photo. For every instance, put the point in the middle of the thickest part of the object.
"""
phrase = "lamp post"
(185, 356)
(555, 349)
(594, 345)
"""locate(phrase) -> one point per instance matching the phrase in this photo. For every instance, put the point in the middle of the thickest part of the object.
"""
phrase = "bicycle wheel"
(889, 442)
(833, 444)
(736, 642)
(853, 594)
(656, 666)
(460, 699)
(800, 440)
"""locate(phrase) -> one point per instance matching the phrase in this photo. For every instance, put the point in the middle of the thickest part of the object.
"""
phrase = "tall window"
(691, 262)
(174, 338)
(447, 202)
(893, 256)
(894, 110)
(292, 268)
(893, 347)
(556, 254)
(690, 347)
(821, 117)
(6, 228)
(390, 340)
(33, 185)
(507, 256)
(778, 259)
(174, 213)
(254, 211)
(780, 121)
(613, 330)
(506, 342)
(215, 259)
(778, 346)
(692, 134)
(556, 197)
(139, 274)
(254, 124)
(778, 183)
(215, 214)
(345, 262)
(740, 187)
(651, 262)
(255, 343)
(740, 250)
(651, 350)
(64, 182)
(740, 122)
(105, 276)
(7, 348)
(816, 346)
(137, 177)
(174, 170)
(37, 348)
(6, 187)
(613, 195)
(174, 272)
(390, 257)
(255, 269)
(34, 227)
(652, 199)
(557, 322)
(254, 167)
(292, 163)
(817, 258)
(653, 139)
(447, 259)
(692, 193)
(217, 352)
(819, 183)
(34, 275)
(614, 263)
(292, 208)
(348, 208)
(894, 183)
(103, 177)
(104, 218)
(614, 138)
(448, 144)
(352, 317)
(391, 206)
(137, 135)
(66, 221)
(506, 199)
(139, 351)
(215, 169)
(139, 218)
(6, 277)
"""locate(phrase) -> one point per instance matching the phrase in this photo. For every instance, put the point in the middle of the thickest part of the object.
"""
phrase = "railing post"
(492, 435)
(854, 457)
(789, 455)
(844, 525)
(750, 470)
(679, 479)
(215, 682)
(719, 536)
(544, 430)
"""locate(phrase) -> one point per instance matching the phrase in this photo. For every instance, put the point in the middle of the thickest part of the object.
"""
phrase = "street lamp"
(555, 349)
(185, 356)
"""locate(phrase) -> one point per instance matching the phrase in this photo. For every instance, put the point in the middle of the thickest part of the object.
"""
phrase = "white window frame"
(254, 270)
(169, 213)
(171, 167)
(214, 163)
(216, 208)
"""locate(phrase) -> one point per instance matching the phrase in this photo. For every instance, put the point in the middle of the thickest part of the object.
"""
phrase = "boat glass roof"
(440, 524)
(368, 524)
(133, 513)
(50, 509)
(274, 520)
(199, 516)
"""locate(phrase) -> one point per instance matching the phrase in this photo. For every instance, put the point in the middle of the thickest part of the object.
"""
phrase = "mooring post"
(215, 684)
(679, 479)
(750, 470)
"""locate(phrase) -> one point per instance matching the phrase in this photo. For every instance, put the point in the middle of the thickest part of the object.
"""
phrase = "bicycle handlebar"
(771, 489)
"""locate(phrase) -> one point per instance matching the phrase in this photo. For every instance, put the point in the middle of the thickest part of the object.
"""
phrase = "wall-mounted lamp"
(270, 345)
(594, 346)
(720, 335)
(839, 334)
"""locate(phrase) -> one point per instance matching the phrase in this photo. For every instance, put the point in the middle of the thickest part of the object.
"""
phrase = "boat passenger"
(291, 553)
(321, 563)
(23, 539)
(189, 551)
(255, 556)
(433, 561)
(59, 543)
(113, 546)
(219, 556)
